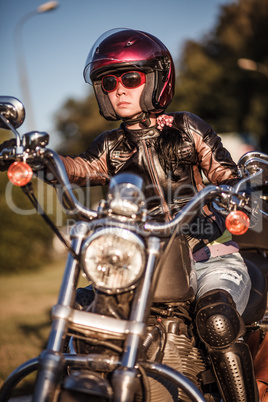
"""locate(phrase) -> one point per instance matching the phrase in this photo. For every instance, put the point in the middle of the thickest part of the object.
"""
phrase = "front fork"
(51, 361)
(125, 381)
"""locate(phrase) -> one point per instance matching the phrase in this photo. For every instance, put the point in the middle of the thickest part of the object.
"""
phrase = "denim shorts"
(227, 272)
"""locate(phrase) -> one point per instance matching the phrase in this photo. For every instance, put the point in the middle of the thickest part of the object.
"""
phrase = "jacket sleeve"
(90, 167)
(213, 158)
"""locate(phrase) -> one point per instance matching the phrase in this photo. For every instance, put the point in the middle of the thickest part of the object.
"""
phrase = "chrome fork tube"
(124, 380)
(141, 304)
(65, 299)
(51, 360)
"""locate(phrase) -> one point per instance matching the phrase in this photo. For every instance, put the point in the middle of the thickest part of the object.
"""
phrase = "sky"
(54, 45)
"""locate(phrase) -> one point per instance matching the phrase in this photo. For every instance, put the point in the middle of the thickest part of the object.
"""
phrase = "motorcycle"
(135, 339)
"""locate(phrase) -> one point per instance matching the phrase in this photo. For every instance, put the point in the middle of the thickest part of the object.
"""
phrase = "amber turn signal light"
(237, 222)
(19, 173)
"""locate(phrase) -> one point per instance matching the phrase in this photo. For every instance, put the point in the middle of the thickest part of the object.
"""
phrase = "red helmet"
(128, 49)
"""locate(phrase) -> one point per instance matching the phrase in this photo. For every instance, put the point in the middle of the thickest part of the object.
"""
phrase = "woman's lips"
(122, 104)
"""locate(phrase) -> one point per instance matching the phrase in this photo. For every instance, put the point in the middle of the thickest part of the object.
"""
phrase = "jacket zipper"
(155, 180)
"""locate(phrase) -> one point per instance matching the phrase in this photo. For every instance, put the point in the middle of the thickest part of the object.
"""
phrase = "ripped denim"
(227, 272)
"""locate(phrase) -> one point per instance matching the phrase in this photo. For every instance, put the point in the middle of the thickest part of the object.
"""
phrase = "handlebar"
(186, 213)
(183, 217)
(59, 171)
(51, 160)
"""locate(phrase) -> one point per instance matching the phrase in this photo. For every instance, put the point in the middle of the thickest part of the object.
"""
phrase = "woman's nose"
(120, 88)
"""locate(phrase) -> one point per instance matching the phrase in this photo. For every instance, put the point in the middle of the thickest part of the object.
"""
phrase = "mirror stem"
(18, 139)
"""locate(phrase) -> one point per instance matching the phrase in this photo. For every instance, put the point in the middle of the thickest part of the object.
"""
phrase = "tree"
(78, 123)
(210, 82)
(25, 240)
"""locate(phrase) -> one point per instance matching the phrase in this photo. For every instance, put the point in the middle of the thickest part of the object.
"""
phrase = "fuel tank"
(177, 280)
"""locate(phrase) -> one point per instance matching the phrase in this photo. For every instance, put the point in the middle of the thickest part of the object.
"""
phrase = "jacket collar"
(141, 134)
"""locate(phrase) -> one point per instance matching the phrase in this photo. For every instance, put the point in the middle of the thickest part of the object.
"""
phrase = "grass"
(25, 305)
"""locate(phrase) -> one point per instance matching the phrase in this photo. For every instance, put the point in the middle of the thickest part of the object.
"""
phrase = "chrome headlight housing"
(125, 194)
(113, 259)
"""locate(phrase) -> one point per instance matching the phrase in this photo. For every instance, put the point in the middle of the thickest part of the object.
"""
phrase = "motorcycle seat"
(258, 295)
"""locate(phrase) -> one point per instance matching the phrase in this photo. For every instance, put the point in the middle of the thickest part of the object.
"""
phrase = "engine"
(170, 343)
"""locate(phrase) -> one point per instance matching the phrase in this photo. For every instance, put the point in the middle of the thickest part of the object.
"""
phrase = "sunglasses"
(130, 79)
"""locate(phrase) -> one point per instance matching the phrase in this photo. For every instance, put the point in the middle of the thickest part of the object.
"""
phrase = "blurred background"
(44, 46)
(220, 49)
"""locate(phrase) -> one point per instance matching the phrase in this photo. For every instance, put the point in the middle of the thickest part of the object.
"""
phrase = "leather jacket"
(170, 163)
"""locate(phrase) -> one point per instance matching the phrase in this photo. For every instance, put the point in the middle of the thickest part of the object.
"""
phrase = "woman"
(133, 77)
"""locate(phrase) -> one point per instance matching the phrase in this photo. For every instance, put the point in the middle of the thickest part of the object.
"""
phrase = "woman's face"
(126, 101)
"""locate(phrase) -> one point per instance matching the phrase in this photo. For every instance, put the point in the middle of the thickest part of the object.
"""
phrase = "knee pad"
(218, 323)
(234, 372)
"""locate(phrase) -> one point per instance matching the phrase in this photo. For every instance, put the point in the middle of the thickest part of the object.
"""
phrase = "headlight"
(113, 259)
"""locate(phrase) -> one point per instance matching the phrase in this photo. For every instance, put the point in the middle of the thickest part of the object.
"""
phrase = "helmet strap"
(143, 118)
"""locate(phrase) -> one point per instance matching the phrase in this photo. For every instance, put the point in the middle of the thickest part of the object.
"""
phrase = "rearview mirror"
(254, 158)
(12, 110)
(255, 161)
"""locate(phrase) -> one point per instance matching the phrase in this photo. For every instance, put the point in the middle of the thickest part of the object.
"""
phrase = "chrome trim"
(126, 178)
(141, 305)
(35, 139)
(186, 213)
(96, 362)
(116, 233)
(101, 325)
(13, 111)
(74, 207)
(139, 312)
(65, 300)
(120, 232)
(254, 176)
